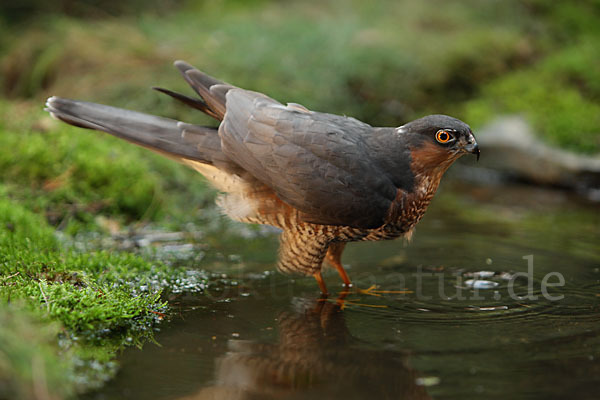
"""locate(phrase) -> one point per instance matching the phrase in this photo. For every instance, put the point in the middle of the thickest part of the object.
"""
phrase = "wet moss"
(91, 305)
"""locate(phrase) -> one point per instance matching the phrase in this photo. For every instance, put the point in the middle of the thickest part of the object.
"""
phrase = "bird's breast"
(406, 210)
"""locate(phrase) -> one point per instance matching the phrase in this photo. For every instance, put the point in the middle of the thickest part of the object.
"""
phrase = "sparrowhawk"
(323, 179)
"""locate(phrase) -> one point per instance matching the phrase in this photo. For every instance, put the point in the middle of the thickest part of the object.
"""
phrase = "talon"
(370, 291)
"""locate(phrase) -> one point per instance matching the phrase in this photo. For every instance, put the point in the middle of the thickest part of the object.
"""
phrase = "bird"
(324, 180)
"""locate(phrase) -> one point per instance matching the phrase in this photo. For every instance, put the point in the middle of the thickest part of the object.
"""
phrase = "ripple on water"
(501, 299)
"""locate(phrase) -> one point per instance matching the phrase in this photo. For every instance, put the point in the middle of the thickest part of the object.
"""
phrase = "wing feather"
(324, 165)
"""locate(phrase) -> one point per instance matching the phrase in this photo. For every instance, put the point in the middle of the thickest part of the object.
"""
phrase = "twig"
(44, 295)
(11, 276)
(160, 315)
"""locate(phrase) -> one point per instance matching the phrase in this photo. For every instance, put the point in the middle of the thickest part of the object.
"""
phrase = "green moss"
(97, 303)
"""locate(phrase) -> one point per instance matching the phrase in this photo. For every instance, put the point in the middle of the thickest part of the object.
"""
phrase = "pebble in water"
(480, 284)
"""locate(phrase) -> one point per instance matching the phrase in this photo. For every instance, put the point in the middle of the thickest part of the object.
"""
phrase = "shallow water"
(450, 316)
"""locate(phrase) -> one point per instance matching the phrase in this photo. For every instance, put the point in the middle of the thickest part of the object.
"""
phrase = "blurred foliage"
(559, 95)
(27, 11)
(384, 62)
(30, 364)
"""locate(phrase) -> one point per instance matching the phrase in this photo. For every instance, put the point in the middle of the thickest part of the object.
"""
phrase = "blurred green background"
(384, 62)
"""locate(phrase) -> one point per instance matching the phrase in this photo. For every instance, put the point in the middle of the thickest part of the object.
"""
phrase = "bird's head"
(438, 140)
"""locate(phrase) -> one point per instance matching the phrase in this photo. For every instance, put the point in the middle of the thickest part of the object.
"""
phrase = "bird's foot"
(370, 291)
(373, 291)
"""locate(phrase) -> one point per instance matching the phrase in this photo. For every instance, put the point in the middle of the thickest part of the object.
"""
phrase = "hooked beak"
(473, 148)
(470, 146)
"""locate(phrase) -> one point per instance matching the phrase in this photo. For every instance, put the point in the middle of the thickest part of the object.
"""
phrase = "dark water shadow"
(313, 356)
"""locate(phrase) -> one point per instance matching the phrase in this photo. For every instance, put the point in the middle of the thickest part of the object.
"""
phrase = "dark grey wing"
(321, 164)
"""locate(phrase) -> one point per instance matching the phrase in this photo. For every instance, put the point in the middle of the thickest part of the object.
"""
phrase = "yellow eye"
(443, 136)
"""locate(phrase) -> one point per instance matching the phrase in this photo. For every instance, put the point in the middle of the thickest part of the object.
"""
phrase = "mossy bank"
(94, 304)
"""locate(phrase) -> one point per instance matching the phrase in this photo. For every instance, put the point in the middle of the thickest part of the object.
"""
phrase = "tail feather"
(211, 90)
(156, 133)
(166, 136)
(190, 101)
(205, 79)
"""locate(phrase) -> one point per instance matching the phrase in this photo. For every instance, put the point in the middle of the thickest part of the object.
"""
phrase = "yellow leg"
(334, 257)
(321, 282)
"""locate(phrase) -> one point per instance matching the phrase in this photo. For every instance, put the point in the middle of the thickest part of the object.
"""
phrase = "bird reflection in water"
(316, 357)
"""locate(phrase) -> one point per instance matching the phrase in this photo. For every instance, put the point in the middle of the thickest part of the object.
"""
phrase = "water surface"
(449, 318)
